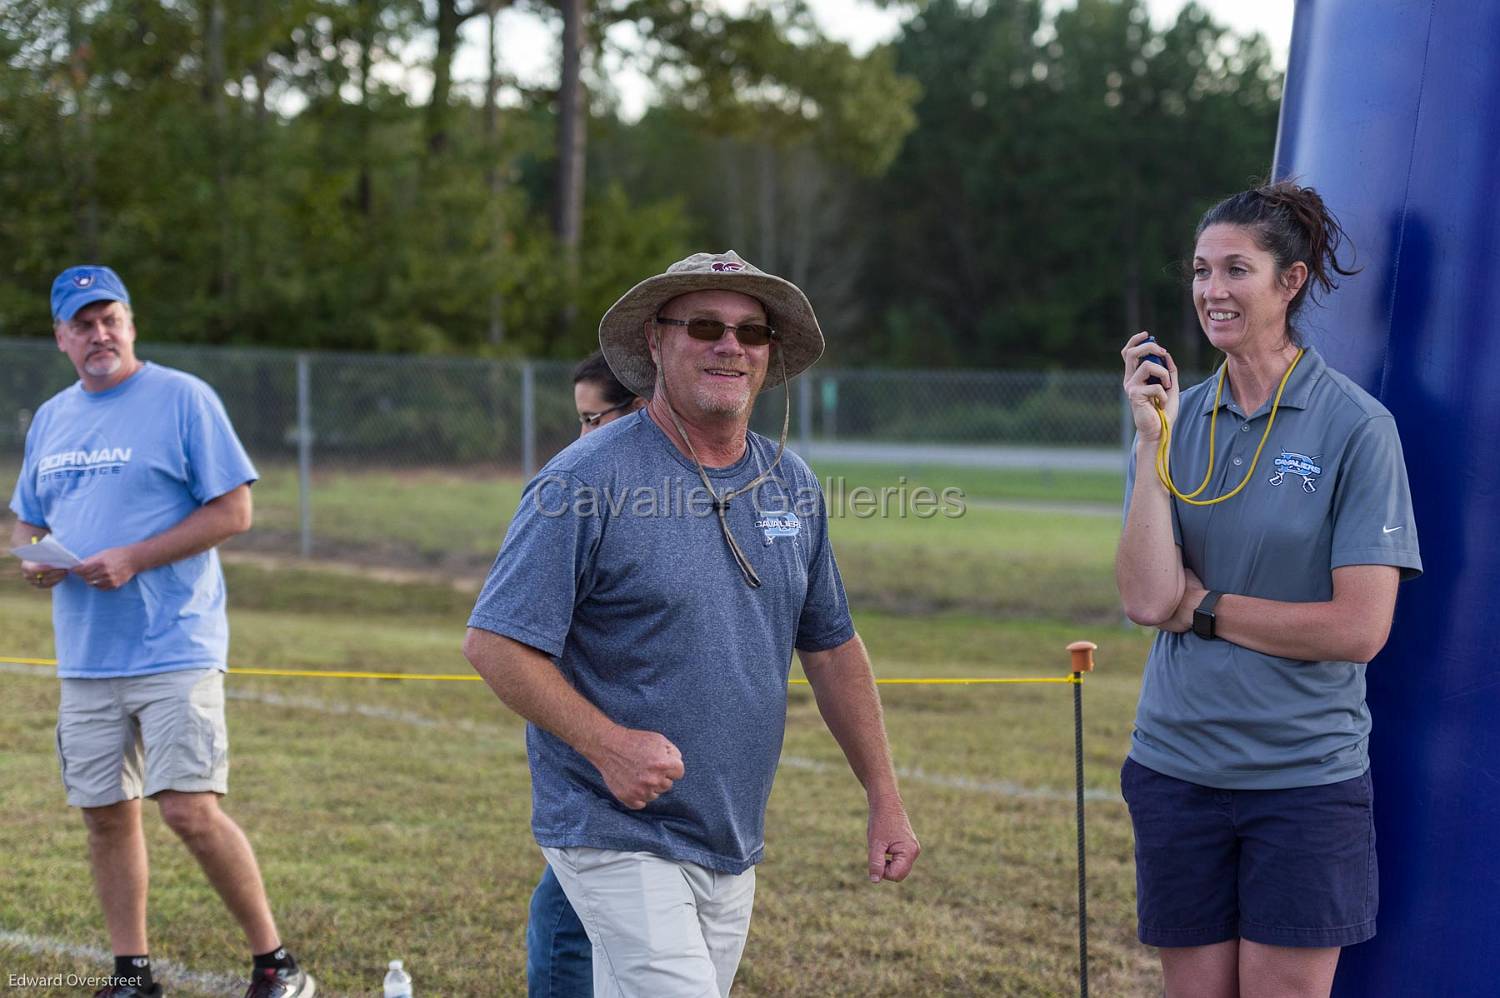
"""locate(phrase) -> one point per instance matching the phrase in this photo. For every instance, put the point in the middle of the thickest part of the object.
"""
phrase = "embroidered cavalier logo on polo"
(1304, 467)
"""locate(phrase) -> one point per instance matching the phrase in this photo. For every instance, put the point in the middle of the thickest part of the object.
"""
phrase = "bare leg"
(1201, 971)
(219, 846)
(1286, 971)
(117, 857)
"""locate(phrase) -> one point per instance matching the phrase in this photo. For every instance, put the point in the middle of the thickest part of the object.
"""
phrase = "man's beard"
(102, 364)
(712, 402)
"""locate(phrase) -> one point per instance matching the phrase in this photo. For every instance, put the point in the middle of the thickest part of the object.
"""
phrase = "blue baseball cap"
(80, 286)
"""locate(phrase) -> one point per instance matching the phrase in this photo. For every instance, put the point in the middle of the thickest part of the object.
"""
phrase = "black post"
(1083, 899)
(1082, 653)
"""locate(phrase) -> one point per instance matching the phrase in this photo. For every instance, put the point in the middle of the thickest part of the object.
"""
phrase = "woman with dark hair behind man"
(1272, 583)
(599, 396)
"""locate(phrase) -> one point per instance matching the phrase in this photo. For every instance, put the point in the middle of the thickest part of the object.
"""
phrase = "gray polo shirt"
(1329, 490)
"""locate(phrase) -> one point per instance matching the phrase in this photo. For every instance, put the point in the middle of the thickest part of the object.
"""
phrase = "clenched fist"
(638, 766)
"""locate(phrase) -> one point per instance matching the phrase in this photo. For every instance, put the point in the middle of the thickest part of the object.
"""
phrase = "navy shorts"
(1292, 867)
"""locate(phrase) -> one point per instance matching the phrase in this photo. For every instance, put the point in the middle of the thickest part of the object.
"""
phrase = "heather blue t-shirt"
(615, 567)
(104, 469)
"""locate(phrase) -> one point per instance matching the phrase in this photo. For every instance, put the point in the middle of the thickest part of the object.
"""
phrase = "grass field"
(450, 525)
(391, 818)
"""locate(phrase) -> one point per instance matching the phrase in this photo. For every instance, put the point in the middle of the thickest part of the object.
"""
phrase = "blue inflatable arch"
(1392, 111)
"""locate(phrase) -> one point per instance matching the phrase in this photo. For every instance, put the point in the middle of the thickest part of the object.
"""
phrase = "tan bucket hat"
(622, 336)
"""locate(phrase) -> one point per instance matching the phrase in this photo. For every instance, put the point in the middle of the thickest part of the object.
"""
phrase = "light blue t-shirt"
(111, 468)
(616, 568)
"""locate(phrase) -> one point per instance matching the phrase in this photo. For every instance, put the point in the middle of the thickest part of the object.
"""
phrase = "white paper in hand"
(47, 551)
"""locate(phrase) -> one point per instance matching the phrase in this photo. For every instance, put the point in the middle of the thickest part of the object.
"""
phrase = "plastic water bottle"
(397, 982)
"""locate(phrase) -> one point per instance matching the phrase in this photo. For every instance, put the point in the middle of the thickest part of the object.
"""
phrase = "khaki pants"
(660, 928)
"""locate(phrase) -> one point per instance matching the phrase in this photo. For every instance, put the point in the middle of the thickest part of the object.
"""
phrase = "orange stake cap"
(1083, 655)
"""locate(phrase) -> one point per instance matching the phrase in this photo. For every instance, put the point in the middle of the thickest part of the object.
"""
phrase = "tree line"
(996, 187)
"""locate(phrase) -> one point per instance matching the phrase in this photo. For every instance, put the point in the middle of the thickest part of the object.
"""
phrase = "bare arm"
(22, 532)
(36, 574)
(637, 766)
(844, 686)
(1148, 563)
(1351, 627)
(205, 527)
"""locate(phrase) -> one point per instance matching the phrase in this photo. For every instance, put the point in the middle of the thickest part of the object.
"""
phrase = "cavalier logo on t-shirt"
(1301, 465)
(779, 525)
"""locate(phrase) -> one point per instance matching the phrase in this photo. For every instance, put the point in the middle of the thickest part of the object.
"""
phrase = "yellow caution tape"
(463, 678)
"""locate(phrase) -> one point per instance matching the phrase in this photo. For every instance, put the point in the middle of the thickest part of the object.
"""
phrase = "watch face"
(1203, 623)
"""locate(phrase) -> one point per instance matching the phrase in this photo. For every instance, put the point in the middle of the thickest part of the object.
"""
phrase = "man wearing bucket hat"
(136, 470)
(642, 614)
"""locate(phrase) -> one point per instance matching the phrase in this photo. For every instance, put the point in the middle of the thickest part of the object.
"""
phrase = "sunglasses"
(591, 419)
(750, 334)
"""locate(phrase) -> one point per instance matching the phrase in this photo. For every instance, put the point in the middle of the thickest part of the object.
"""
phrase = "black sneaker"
(128, 991)
(272, 982)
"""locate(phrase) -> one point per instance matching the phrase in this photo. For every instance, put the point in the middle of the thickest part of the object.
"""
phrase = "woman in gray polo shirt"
(1268, 522)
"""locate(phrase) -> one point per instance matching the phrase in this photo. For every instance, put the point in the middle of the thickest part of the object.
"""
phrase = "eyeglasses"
(750, 334)
(591, 419)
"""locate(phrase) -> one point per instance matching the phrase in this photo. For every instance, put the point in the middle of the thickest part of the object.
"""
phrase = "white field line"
(376, 713)
(175, 975)
(912, 774)
(999, 788)
(1108, 510)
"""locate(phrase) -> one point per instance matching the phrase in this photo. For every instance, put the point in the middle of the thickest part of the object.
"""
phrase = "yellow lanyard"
(1164, 446)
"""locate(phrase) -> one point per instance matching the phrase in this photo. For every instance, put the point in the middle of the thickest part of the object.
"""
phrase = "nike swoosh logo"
(1389, 530)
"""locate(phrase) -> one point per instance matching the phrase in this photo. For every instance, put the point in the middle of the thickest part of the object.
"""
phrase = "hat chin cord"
(721, 501)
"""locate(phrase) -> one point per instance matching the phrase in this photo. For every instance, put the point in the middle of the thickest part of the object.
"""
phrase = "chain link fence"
(329, 430)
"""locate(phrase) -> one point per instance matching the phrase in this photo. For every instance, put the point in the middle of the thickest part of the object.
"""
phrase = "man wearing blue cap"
(137, 470)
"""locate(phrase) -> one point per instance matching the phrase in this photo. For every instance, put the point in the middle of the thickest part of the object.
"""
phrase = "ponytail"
(1292, 224)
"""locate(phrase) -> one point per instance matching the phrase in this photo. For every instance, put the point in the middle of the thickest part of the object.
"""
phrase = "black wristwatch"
(1203, 617)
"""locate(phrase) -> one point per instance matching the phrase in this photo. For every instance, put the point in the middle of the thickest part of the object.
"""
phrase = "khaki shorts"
(659, 927)
(118, 739)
